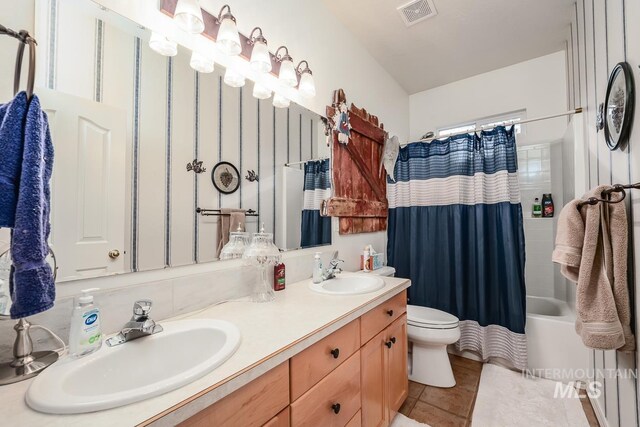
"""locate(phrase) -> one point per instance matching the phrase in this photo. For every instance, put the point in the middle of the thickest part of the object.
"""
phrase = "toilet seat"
(430, 318)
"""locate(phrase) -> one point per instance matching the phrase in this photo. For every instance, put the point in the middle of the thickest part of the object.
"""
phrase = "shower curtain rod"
(504, 123)
(305, 161)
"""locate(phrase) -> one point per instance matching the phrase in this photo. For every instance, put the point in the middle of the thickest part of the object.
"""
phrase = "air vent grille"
(417, 11)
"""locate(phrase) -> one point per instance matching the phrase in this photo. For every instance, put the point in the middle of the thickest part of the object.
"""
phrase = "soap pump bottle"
(85, 336)
(317, 268)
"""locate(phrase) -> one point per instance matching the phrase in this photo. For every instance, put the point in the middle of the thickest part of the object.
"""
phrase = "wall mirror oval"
(618, 106)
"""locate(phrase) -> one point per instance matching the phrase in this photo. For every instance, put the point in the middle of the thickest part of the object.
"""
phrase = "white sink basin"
(349, 284)
(114, 376)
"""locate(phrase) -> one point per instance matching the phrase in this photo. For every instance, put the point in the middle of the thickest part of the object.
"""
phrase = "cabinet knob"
(113, 254)
(393, 340)
(388, 344)
(336, 408)
(390, 312)
(335, 353)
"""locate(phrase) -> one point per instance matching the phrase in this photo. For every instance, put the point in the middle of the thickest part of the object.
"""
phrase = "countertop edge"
(191, 406)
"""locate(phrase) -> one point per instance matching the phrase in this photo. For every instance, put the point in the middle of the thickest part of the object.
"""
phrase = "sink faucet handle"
(141, 308)
(334, 262)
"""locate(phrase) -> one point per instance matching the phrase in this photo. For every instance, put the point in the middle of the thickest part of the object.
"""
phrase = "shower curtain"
(456, 230)
(316, 229)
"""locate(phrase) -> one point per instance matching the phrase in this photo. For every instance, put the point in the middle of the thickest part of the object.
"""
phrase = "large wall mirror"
(128, 124)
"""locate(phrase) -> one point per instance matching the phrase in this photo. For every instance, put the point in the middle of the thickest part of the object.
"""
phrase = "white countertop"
(271, 333)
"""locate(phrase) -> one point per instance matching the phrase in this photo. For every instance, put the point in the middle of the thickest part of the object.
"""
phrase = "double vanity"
(328, 354)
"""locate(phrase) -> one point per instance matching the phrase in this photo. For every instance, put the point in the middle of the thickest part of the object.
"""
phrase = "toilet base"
(431, 366)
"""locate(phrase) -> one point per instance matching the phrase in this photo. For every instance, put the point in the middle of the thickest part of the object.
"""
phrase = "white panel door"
(88, 185)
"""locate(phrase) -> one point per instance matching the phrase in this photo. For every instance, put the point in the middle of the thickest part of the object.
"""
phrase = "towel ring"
(25, 38)
(53, 256)
(594, 200)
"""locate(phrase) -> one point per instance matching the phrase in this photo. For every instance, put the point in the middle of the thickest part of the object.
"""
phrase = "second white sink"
(114, 376)
(349, 284)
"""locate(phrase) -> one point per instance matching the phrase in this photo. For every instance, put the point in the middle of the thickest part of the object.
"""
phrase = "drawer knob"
(335, 353)
(388, 344)
(390, 312)
(336, 408)
(393, 340)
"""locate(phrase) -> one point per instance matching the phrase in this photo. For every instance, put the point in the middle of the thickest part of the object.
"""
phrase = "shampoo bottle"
(85, 335)
(317, 268)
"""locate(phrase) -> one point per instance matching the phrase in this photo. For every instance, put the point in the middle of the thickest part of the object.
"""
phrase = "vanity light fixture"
(163, 45)
(260, 91)
(233, 78)
(188, 16)
(280, 101)
(201, 62)
(307, 87)
(228, 39)
(287, 74)
(260, 58)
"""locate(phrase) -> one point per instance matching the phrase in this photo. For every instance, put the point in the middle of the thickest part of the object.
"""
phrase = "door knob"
(114, 253)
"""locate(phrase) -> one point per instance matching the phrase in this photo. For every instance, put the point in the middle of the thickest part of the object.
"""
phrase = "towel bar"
(218, 212)
(617, 188)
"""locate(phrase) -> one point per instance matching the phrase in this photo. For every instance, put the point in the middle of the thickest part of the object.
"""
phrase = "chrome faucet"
(139, 326)
(333, 269)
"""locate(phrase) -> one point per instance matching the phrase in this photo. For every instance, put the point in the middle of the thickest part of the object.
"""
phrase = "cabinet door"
(397, 381)
(372, 368)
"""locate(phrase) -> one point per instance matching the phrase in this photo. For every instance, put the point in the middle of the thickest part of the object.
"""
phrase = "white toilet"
(430, 331)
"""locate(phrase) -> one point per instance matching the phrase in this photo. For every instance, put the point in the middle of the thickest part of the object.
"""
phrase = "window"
(487, 122)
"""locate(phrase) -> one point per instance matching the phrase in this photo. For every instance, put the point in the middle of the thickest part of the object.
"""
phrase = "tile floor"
(453, 407)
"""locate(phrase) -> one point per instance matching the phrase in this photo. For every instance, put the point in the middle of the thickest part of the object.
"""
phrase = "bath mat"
(402, 421)
(506, 398)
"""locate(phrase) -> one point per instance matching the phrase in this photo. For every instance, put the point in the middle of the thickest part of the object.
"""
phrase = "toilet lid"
(385, 271)
(427, 316)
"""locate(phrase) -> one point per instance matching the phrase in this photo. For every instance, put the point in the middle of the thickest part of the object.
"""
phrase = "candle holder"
(262, 252)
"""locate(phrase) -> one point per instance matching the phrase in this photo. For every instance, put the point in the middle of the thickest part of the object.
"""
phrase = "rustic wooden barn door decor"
(360, 189)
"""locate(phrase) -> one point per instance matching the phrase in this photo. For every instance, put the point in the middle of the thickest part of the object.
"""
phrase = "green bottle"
(537, 208)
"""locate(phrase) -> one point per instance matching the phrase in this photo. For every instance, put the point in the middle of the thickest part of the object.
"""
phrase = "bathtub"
(555, 351)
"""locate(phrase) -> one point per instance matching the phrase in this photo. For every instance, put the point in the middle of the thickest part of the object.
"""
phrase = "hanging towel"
(32, 285)
(591, 247)
(229, 221)
(12, 117)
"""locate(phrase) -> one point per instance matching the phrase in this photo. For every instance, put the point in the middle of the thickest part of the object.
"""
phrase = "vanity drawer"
(356, 421)
(280, 420)
(252, 405)
(318, 406)
(378, 318)
(314, 363)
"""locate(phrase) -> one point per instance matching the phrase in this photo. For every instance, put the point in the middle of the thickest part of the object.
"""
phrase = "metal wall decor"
(225, 177)
(196, 166)
(251, 176)
(619, 105)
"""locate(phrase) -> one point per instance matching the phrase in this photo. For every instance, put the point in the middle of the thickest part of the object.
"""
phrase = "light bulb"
(233, 78)
(260, 58)
(260, 91)
(228, 39)
(287, 73)
(188, 16)
(162, 45)
(279, 101)
(307, 87)
(201, 62)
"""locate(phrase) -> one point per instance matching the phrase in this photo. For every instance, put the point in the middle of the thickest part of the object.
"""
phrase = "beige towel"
(591, 247)
(229, 221)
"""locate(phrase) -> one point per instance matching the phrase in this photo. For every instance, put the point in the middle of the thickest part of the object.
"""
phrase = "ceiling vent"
(417, 11)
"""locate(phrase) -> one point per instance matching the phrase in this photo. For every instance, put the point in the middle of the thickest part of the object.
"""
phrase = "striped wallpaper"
(175, 115)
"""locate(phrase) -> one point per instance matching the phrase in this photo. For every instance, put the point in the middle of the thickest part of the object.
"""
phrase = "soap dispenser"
(317, 268)
(85, 336)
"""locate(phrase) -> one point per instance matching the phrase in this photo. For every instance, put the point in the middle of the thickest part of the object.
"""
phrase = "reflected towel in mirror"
(229, 220)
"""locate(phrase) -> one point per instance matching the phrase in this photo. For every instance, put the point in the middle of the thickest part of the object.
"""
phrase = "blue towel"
(32, 285)
(12, 121)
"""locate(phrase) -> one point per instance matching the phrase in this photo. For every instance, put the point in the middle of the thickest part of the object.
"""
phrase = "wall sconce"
(201, 62)
(279, 101)
(260, 58)
(287, 74)
(228, 38)
(162, 45)
(233, 78)
(261, 91)
(307, 87)
(188, 16)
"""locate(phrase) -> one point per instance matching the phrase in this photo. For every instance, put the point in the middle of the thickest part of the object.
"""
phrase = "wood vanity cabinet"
(353, 377)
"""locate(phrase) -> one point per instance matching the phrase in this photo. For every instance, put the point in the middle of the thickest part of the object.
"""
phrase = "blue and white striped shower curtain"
(316, 229)
(456, 230)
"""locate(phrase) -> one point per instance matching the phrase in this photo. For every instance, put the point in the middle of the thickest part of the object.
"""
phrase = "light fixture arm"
(259, 38)
(226, 14)
(285, 57)
(306, 69)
